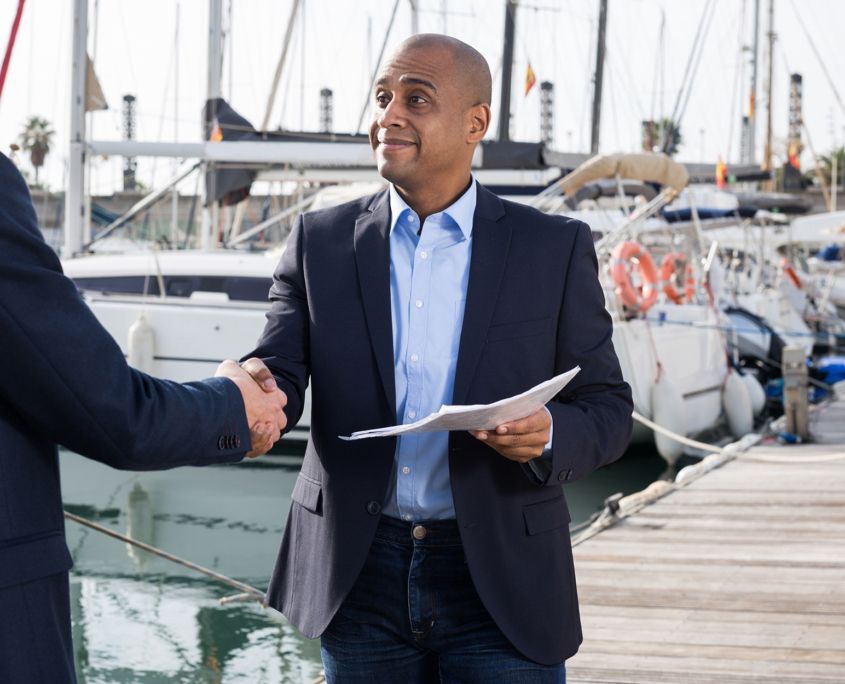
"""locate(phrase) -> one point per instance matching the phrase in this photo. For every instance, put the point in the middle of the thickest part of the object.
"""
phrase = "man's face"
(418, 129)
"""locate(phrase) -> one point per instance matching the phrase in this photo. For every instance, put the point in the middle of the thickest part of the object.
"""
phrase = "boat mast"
(280, 65)
(600, 51)
(752, 109)
(767, 155)
(75, 191)
(213, 89)
(507, 69)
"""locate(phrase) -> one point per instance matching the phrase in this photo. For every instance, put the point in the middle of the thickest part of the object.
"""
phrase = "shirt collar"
(461, 211)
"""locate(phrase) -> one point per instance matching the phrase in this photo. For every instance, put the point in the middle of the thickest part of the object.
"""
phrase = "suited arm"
(592, 416)
(283, 345)
(67, 379)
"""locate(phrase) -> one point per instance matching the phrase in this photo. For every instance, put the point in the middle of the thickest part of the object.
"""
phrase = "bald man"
(440, 556)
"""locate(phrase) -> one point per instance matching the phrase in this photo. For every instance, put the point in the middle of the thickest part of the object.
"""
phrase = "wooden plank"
(631, 657)
(737, 577)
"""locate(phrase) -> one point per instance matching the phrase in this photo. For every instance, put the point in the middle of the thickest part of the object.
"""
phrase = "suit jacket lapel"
(490, 244)
(372, 257)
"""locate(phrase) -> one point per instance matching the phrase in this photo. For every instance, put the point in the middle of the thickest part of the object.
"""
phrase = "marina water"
(139, 618)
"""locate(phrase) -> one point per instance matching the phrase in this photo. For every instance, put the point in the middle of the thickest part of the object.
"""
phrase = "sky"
(140, 48)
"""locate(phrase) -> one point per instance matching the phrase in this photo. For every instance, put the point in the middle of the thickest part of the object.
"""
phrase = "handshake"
(263, 402)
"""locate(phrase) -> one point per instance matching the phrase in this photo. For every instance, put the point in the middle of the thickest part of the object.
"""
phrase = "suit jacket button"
(564, 475)
(373, 508)
(237, 442)
(221, 443)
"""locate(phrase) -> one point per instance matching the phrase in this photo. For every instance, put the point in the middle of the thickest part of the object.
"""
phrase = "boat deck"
(735, 577)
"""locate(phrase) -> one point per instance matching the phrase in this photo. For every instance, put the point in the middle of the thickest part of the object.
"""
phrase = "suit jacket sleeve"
(283, 345)
(67, 379)
(592, 416)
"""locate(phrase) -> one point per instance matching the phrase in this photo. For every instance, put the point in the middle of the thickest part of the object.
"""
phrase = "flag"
(216, 132)
(94, 98)
(530, 78)
(721, 174)
(751, 105)
(792, 153)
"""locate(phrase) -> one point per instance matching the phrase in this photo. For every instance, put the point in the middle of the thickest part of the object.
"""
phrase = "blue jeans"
(414, 617)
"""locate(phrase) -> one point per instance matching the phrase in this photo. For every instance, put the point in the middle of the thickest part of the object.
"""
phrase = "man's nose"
(392, 115)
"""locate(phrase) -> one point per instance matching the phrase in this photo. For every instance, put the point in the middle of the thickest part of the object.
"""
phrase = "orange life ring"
(638, 298)
(790, 273)
(669, 266)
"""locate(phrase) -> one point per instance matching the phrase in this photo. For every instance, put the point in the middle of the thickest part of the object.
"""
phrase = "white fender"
(755, 392)
(141, 344)
(667, 410)
(736, 402)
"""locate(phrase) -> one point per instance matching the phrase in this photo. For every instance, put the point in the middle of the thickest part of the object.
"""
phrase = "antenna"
(547, 113)
(326, 110)
(130, 164)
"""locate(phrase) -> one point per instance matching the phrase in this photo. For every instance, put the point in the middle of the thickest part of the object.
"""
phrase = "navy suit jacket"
(64, 380)
(534, 309)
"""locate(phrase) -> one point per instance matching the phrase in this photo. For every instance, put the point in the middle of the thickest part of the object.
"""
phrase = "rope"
(248, 592)
(686, 441)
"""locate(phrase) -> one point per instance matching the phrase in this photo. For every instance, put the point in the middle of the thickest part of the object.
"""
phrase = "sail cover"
(646, 167)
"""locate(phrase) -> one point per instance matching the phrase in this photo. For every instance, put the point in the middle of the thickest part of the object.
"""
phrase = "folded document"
(478, 416)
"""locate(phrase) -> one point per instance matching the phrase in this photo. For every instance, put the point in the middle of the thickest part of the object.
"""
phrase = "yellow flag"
(530, 78)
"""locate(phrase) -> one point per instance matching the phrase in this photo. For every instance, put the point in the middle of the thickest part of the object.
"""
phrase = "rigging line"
(377, 66)
(673, 121)
(588, 91)
(626, 79)
(701, 46)
(812, 44)
(735, 108)
(611, 92)
(658, 59)
(736, 97)
(161, 116)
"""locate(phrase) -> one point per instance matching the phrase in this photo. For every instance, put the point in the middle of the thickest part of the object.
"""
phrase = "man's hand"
(263, 403)
(520, 440)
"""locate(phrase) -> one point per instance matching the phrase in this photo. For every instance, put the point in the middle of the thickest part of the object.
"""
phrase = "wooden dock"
(735, 577)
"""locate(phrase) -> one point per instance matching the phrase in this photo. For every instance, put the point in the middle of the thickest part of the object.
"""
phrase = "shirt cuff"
(541, 467)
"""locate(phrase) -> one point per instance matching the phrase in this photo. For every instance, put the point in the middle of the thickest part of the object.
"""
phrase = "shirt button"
(418, 303)
(414, 358)
(411, 218)
(406, 470)
(423, 255)
(407, 516)
(412, 414)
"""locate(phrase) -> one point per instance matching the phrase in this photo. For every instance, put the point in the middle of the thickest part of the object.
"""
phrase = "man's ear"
(479, 121)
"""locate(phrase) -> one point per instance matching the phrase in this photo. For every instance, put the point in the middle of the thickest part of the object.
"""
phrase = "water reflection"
(139, 524)
(139, 618)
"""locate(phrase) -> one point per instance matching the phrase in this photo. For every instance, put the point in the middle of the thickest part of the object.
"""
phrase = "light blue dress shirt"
(429, 273)
(428, 285)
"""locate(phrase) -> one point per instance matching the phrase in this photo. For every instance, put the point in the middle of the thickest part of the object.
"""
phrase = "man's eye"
(382, 100)
(417, 99)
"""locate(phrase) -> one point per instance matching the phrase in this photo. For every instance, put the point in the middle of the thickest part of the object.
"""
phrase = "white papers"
(478, 416)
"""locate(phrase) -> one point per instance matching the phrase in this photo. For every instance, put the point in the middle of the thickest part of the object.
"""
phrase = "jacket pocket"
(546, 515)
(308, 493)
(508, 331)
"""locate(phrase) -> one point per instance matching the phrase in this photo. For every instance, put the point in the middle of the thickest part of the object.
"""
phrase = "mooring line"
(248, 592)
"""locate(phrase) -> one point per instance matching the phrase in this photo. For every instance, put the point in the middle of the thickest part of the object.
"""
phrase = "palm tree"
(36, 138)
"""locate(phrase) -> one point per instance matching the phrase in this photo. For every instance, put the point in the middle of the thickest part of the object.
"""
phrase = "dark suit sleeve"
(67, 379)
(592, 416)
(283, 345)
